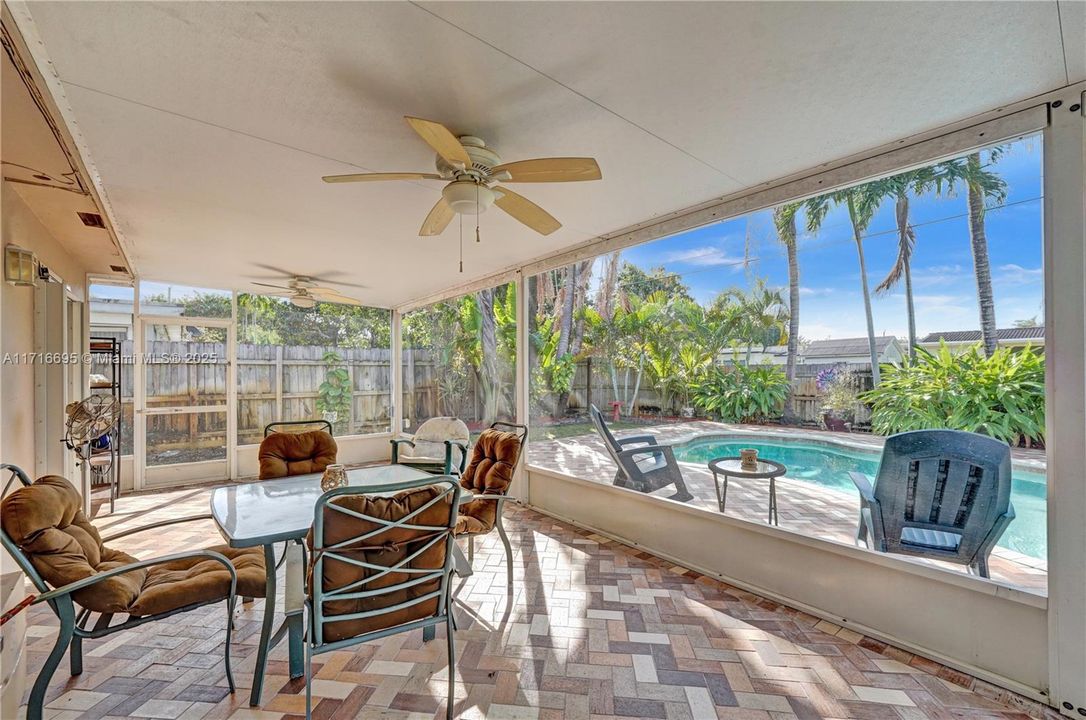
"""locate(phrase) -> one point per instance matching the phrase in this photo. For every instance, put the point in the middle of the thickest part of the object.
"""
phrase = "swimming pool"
(828, 464)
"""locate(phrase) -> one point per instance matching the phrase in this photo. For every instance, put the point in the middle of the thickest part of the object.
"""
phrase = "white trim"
(396, 384)
(1065, 275)
(490, 281)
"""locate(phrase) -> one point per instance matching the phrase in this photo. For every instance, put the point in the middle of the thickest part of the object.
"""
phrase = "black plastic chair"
(941, 494)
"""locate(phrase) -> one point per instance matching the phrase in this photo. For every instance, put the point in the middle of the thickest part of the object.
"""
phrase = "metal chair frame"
(73, 626)
(327, 426)
(314, 640)
(522, 433)
(445, 468)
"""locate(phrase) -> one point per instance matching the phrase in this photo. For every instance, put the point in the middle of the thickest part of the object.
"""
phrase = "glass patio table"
(272, 511)
(725, 467)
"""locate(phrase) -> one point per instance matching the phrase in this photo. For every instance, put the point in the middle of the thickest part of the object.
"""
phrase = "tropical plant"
(742, 393)
(760, 316)
(861, 201)
(1001, 395)
(784, 219)
(981, 185)
(334, 394)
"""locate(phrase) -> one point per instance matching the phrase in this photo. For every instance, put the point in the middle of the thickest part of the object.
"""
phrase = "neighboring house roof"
(1002, 334)
(845, 347)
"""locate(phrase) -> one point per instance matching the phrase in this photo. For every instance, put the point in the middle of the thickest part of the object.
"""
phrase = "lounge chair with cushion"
(283, 454)
(941, 494)
(440, 446)
(43, 527)
(494, 460)
(381, 559)
(643, 464)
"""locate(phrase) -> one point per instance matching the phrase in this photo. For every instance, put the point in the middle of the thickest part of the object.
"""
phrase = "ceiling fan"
(303, 292)
(472, 172)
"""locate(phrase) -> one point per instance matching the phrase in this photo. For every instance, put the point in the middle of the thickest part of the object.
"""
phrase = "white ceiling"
(211, 123)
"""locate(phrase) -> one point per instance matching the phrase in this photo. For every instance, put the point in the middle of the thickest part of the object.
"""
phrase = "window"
(172, 300)
(459, 359)
(326, 362)
(810, 332)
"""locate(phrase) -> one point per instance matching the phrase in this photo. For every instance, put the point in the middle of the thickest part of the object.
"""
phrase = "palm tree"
(898, 188)
(784, 218)
(981, 184)
(760, 315)
(862, 202)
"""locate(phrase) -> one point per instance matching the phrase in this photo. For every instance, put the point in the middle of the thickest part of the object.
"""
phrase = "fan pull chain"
(461, 243)
(476, 212)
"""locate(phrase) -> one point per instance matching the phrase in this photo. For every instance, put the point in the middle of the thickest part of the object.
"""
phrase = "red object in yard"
(615, 408)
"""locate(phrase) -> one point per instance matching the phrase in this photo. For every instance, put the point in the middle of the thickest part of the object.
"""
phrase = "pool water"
(829, 467)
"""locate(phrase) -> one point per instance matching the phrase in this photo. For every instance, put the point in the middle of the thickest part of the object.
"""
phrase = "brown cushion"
(493, 460)
(286, 454)
(385, 548)
(47, 522)
(197, 580)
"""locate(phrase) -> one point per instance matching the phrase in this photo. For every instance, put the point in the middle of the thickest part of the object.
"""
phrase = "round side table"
(725, 467)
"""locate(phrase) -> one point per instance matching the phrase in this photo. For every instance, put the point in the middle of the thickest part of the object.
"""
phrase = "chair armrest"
(649, 439)
(152, 526)
(396, 442)
(863, 484)
(665, 450)
(98, 577)
(448, 455)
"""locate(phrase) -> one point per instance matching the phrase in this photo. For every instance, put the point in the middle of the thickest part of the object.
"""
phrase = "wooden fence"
(278, 382)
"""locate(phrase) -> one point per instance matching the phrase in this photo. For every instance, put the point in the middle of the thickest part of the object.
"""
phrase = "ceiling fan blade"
(371, 177)
(567, 169)
(337, 298)
(439, 218)
(526, 211)
(281, 287)
(278, 271)
(441, 139)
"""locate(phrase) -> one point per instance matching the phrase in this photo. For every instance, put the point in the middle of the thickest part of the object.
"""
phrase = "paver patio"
(594, 630)
(805, 508)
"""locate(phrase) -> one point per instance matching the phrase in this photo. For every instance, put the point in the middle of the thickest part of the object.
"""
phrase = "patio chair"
(283, 454)
(43, 527)
(942, 494)
(439, 446)
(381, 564)
(494, 460)
(647, 467)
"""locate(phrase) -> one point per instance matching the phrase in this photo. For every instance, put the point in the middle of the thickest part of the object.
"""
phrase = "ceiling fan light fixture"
(302, 301)
(468, 198)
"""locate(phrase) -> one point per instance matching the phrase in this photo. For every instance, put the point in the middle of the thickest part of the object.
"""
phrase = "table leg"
(773, 501)
(295, 599)
(724, 493)
(266, 627)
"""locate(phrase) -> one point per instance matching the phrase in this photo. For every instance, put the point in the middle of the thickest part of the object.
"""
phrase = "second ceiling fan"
(473, 172)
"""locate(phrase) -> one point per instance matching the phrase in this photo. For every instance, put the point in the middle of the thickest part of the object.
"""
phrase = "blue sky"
(711, 259)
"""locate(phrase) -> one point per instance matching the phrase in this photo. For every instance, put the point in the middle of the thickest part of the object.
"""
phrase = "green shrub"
(1002, 396)
(334, 394)
(742, 393)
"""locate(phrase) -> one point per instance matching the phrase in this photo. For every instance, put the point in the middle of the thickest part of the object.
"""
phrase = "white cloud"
(816, 292)
(707, 255)
(1012, 274)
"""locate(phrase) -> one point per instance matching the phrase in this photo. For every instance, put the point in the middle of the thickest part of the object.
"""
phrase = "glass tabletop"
(734, 466)
(258, 513)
